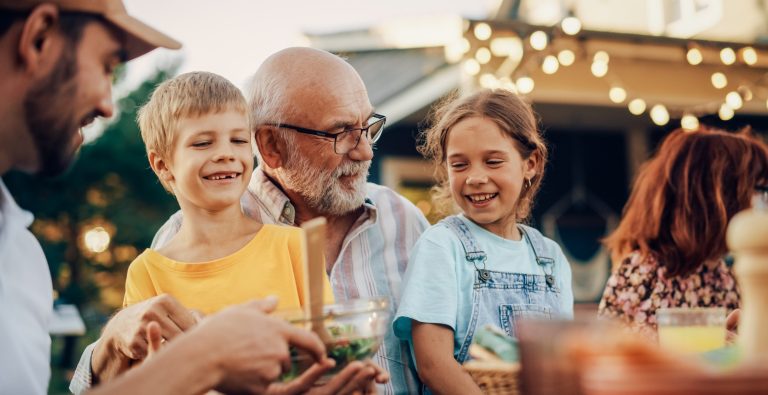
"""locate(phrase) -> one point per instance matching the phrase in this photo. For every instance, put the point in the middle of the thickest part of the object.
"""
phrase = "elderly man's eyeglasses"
(347, 139)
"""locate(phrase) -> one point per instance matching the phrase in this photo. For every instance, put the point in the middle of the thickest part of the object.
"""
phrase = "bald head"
(303, 68)
(293, 83)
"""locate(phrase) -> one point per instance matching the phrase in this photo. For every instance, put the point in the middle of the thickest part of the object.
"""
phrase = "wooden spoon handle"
(314, 251)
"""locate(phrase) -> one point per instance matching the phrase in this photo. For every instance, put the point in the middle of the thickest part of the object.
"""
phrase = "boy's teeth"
(221, 177)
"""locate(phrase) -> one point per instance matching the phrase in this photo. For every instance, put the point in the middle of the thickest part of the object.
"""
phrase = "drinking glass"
(691, 330)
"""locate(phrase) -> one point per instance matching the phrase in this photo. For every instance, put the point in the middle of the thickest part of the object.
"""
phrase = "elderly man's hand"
(124, 340)
(251, 348)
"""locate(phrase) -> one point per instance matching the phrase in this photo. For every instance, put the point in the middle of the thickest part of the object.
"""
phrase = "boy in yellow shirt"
(196, 131)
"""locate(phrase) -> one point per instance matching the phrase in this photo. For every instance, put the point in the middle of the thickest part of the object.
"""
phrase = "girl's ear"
(160, 166)
(530, 165)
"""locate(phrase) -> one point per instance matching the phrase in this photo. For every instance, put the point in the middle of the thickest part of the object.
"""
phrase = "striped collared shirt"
(371, 262)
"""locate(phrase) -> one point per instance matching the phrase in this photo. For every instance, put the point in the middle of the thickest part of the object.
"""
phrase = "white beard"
(324, 191)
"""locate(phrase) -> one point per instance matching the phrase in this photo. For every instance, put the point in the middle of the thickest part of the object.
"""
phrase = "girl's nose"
(475, 180)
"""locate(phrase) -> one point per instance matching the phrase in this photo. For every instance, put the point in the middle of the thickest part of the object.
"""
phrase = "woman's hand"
(732, 327)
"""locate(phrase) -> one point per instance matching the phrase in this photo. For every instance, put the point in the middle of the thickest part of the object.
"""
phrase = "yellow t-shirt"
(270, 264)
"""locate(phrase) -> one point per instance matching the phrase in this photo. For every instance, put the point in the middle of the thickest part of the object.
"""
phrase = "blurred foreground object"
(547, 366)
(748, 241)
(623, 364)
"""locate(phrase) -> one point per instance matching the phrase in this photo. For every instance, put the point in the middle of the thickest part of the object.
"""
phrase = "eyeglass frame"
(334, 136)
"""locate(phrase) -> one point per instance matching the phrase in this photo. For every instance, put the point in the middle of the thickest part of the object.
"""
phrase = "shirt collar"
(10, 211)
(280, 207)
(275, 202)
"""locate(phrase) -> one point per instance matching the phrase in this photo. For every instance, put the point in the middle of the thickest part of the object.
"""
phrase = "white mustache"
(352, 168)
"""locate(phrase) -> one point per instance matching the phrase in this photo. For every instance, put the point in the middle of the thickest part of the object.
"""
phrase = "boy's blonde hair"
(187, 95)
(511, 114)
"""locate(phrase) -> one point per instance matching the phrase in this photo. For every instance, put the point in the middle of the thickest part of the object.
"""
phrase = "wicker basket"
(495, 378)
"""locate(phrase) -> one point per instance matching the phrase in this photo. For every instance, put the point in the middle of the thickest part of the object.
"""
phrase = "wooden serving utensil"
(314, 273)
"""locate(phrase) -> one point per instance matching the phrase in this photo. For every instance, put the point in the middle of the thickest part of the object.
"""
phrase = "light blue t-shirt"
(439, 280)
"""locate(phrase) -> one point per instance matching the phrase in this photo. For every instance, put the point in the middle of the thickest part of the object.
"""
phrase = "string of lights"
(507, 54)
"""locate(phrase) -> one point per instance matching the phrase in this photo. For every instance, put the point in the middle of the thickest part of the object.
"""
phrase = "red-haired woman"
(668, 249)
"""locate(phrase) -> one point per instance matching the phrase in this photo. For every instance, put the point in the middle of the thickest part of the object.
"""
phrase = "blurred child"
(669, 248)
(198, 140)
(481, 266)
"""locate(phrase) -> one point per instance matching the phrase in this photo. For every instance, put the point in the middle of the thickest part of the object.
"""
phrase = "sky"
(232, 37)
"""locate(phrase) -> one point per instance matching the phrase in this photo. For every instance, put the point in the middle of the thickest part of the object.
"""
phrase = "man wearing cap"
(56, 63)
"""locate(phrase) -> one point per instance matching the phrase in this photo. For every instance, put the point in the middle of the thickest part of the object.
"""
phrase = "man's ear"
(40, 42)
(160, 166)
(271, 148)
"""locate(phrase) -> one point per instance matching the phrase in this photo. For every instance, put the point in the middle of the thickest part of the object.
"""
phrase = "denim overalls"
(502, 298)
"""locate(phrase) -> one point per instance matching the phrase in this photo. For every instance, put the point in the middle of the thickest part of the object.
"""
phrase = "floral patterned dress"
(639, 286)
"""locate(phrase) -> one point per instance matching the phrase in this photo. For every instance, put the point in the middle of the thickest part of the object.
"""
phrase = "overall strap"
(472, 251)
(542, 251)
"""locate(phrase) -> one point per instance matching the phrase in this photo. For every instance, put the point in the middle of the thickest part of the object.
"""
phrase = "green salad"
(344, 348)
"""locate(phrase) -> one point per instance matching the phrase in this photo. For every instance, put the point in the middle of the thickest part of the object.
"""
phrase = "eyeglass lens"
(348, 140)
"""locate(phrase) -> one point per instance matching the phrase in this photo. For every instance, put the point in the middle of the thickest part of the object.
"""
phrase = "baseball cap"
(140, 37)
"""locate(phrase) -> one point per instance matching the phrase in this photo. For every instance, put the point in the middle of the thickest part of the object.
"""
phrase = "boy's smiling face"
(212, 160)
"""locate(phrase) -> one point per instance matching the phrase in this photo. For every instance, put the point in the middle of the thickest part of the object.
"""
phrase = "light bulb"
(571, 25)
(550, 65)
(539, 40)
(727, 56)
(566, 57)
(734, 100)
(749, 55)
(659, 115)
(471, 67)
(483, 31)
(601, 56)
(694, 56)
(636, 106)
(719, 80)
(525, 85)
(689, 122)
(617, 94)
(599, 69)
(483, 55)
(725, 113)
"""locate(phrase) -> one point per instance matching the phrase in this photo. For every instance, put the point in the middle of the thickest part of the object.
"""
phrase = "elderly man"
(315, 127)
(56, 64)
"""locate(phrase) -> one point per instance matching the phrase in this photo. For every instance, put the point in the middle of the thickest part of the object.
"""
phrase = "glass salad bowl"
(356, 327)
